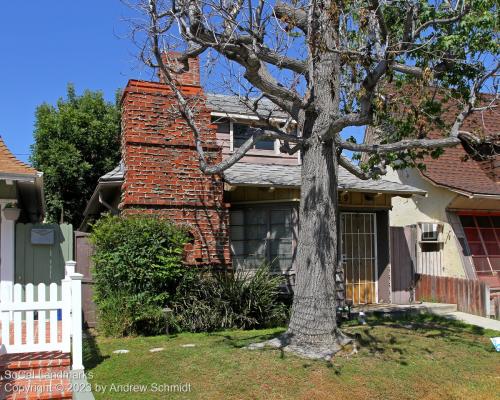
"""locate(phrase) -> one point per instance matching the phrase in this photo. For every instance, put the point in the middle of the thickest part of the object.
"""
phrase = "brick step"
(23, 361)
(35, 376)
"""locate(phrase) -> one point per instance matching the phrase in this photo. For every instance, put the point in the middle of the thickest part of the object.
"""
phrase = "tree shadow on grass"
(239, 342)
(422, 325)
(92, 355)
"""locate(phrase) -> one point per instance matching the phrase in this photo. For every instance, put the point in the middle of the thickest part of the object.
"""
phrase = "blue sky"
(46, 44)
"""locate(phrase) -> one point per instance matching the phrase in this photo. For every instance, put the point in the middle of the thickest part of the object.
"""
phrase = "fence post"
(487, 301)
(5, 302)
(76, 315)
(66, 313)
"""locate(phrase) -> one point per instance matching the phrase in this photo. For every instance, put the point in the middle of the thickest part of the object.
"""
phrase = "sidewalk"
(486, 323)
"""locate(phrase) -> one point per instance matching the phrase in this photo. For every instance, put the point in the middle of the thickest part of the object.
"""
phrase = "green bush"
(122, 314)
(208, 302)
(137, 267)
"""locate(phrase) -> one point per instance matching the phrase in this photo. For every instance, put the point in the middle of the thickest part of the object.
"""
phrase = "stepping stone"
(188, 345)
(156, 349)
(120, 351)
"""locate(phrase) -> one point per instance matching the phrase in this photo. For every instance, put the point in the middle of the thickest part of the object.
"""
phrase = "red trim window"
(483, 236)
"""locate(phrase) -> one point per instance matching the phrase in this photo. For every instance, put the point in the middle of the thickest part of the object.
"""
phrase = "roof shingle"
(289, 176)
(450, 169)
(9, 164)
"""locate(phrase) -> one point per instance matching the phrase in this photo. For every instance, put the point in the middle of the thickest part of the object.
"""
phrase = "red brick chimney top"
(190, 77)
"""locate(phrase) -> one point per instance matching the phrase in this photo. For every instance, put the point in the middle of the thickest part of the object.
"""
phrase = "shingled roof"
(235, 105)
(456, 170)
(289, 176)
(9, 164)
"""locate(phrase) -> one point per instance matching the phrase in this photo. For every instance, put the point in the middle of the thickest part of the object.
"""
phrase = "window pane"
(471, 234)
(467, 221)
(496, 221)
(265, 144)
(488, 235)
(255, 232)
(237, 233)
(281, 216)
(256, 247)
(484, 222)
(493, 249)
(237, 247)
(481, 264)
(237, 218)
(476, 249)
(241, 133)
(281, 247)
(256, 216)
(281, 231)
(495, 263)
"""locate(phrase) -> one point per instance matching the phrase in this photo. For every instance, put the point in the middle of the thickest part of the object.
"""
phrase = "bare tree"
(390, 65)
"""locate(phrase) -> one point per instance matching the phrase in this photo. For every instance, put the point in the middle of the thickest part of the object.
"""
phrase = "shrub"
(209, 302)
(137, 266)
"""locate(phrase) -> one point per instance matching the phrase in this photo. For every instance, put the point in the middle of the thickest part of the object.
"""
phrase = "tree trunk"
(313, 325)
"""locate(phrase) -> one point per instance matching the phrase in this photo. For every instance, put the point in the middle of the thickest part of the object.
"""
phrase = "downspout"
(113, 210)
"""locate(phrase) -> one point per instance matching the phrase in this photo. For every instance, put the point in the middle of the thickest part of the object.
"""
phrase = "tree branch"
(400, 146)
(358, 172)
(292, 16)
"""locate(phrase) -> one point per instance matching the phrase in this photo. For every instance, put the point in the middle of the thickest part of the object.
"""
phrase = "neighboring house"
(21, 200)
(456, 228)
(248, 215)
(31, 252)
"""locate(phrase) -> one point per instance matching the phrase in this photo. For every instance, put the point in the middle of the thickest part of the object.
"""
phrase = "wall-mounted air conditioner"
(430, 231)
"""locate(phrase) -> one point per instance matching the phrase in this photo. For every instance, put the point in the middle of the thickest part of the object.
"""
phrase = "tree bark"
(313, 327)
(313, 323)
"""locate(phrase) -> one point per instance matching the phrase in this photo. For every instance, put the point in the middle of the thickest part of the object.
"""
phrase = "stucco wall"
(409, 211)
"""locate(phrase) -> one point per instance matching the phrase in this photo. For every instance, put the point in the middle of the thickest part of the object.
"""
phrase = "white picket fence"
(51, 320)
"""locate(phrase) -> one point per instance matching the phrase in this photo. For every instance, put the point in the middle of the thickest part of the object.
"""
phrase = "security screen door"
(359, 255)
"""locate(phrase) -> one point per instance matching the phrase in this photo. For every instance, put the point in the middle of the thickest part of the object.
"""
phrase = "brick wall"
(162, 175)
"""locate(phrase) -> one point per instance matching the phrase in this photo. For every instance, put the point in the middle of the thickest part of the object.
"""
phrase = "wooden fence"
(470, 296)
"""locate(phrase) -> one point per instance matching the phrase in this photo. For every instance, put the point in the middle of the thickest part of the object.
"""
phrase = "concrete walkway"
(445, 310)
(486, 323)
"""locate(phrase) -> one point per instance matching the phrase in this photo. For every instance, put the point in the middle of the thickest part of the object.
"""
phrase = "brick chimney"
(162, 174)
(188, 78)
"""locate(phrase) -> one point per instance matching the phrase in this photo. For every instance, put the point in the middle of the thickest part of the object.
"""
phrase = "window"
(241, 133)
(483, 237)
(263, 234)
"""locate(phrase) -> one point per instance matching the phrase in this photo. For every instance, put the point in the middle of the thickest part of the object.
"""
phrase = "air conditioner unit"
(429, 231)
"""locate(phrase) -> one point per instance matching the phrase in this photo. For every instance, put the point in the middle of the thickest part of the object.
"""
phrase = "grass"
(422, 357)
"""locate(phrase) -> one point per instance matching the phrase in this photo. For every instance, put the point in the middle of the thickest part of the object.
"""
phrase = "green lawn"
(420, 358)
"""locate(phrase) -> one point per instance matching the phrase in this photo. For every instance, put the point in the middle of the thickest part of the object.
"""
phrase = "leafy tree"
(330, 65)
(76, 142)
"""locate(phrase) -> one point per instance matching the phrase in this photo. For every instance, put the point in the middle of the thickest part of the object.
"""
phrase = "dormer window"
(241, 133)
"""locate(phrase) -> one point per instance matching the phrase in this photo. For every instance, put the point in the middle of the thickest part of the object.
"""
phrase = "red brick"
(162, 174)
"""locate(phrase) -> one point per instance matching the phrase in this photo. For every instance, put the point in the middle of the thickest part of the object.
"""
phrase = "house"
(21, 200)
(249, 214)
(31, 251)
(457, 226)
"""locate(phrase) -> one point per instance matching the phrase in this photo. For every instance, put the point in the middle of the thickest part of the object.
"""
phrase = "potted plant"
(11, 212)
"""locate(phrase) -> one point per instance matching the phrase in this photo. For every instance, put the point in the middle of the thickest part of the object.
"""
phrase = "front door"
(359, 256)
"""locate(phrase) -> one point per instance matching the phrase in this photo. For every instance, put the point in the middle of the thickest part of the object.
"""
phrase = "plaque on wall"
(42, 236)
